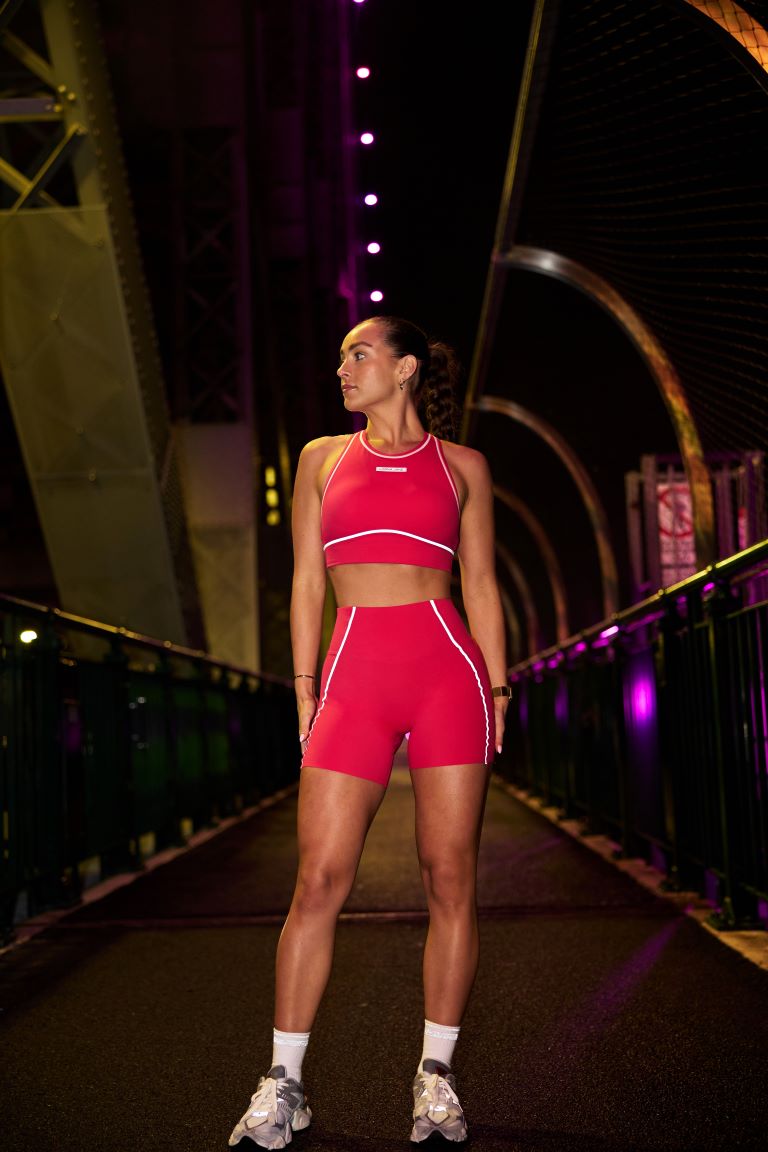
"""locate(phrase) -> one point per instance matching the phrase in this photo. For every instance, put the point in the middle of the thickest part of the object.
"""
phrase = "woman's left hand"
(500, 705)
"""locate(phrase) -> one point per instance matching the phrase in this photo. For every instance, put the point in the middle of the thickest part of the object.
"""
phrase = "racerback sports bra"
(383, 509)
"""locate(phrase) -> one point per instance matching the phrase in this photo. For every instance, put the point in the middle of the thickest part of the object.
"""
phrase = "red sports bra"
(390, 509)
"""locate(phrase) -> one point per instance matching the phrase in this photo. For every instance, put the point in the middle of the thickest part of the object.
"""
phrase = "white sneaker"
(436, 1105)
(278, 1108)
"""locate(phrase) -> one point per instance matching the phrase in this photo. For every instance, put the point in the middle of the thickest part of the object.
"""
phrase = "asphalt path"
(603, 1018)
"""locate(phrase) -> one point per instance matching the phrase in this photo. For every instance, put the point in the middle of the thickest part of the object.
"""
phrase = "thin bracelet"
(303, 676)
(501, 690)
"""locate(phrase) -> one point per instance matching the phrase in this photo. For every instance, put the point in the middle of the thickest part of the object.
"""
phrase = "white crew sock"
(439, 1043)
(288, 1049)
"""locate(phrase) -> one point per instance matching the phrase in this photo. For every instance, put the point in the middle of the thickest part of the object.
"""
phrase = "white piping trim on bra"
(393, 455)
(477, 678)
(387, 531)
(328, 681)
(350, 442)
(451, 481)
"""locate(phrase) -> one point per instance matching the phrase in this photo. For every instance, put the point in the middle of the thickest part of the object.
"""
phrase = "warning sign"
(677, 543)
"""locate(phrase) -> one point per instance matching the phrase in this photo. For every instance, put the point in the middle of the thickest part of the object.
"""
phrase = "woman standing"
(382, 513)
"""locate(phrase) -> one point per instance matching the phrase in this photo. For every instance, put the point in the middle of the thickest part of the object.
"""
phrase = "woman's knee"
(450, 881)
(321, 890)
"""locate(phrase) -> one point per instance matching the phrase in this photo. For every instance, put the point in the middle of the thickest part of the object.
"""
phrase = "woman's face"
(368, 370)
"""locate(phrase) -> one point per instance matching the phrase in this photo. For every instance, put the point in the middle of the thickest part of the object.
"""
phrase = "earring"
(402, 383)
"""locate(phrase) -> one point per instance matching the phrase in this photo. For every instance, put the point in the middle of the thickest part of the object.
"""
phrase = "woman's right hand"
(307, 707)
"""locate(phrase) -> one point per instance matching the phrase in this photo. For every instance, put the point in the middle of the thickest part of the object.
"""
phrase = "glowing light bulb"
(374, 247)
(376, 296)
(366, 138)
(371, 198)
(363, 73)
(27, 636)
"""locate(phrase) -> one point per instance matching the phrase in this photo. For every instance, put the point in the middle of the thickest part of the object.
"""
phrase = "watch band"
(501, 690)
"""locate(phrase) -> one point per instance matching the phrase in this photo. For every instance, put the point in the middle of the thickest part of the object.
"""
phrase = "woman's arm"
(309, 579)
(477, 562)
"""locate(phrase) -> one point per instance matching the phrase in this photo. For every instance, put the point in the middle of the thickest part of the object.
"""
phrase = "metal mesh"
(740, 23)
(647, 168)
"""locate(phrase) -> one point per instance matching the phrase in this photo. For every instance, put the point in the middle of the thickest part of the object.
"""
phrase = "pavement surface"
(603, 1018)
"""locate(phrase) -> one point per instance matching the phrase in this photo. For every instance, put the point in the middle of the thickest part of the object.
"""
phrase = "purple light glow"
(376, 295)
(374, 247)
(581, 646)
(561, 703)
(606, 632)
(366, 138)
(642, 701)
(371, 198)
(363, 73)
(623, 982)
(641, 725)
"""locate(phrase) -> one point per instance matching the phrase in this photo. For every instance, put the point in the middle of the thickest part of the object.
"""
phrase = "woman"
(383, 511)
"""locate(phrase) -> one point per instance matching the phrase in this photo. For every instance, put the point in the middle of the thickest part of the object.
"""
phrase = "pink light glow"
(366, 138)
(642, 700)
(640, 704)
(374, 247)
(363, 73)
(371, 198)
(606, 632)
(376, 295)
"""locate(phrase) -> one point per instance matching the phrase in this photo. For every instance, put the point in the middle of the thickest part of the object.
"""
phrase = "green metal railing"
(114, 746)
(652, 728)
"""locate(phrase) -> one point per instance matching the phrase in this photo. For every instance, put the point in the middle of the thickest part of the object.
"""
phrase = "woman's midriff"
(382, 585)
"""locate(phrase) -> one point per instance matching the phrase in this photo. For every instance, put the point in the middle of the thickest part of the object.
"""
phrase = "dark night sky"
(441, 100)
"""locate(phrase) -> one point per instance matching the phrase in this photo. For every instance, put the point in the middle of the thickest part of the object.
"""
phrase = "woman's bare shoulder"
(318, 456)
(324, 444)
(469, 461)
(323, 447)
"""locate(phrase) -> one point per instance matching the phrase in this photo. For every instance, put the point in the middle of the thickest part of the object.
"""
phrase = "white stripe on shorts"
(477, 678)
(330, 677)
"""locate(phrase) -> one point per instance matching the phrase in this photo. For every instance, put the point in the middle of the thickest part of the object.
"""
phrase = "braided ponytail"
(435, 385)
(435, 393)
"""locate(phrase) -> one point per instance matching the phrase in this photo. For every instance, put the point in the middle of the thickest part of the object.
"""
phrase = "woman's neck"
(395, 435)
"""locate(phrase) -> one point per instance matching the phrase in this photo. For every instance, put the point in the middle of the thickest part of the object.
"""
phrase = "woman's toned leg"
(450, 802)
(335, 813)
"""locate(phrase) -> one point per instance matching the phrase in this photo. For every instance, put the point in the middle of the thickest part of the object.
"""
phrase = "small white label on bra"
(378, 469)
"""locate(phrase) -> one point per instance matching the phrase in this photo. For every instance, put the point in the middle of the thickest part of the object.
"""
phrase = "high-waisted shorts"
(408, 670)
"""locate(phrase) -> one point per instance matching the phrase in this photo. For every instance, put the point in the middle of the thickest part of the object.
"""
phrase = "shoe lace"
(264, 1099)
(438, 1091)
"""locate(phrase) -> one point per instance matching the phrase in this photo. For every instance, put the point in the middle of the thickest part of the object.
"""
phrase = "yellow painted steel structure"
(77, 342)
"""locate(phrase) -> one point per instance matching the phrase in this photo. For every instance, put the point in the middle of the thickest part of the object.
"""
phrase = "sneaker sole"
(423, 1129)
(298, 1122)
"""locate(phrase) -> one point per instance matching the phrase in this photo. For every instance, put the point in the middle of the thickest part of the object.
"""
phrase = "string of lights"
(369, 199)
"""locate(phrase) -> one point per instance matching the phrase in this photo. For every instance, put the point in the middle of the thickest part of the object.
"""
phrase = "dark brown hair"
(435, 385)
